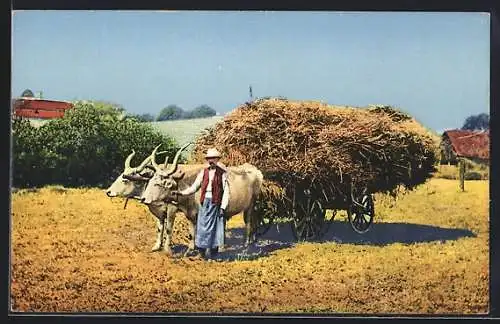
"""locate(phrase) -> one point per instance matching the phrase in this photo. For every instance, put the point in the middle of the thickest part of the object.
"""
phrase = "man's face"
(212, 161)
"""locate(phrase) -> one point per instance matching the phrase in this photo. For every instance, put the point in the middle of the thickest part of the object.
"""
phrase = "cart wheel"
(361, 216)
(309, 221)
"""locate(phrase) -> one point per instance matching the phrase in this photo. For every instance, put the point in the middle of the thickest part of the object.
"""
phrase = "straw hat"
(212, 153)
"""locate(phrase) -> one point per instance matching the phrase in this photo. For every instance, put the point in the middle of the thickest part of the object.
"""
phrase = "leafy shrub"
(451, 172)
(473, 175)
(144, 118)
(87, 147)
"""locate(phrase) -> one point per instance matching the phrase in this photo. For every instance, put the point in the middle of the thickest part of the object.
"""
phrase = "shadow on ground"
(280, 236)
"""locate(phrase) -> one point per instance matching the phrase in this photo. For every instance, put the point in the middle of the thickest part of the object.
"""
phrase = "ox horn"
(129, 159)
(143, 164)
(176, 158)
(153, 160)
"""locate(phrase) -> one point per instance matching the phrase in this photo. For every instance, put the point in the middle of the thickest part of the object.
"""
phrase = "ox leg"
(169, 226)
(250, 225)
(247, 214)
(159, 234)
(192, 231)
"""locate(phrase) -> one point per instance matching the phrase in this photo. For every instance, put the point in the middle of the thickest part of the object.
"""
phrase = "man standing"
(214, 200)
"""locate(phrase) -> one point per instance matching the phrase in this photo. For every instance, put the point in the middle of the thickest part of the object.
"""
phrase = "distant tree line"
(174, 112)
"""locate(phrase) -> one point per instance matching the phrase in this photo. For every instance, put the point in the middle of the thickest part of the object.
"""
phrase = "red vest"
(217, 188)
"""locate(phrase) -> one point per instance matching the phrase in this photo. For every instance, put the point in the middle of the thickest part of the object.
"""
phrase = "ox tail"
(258, 181)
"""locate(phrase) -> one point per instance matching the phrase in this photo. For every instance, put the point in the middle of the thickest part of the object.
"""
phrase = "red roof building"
(39, 108)
(474, 145)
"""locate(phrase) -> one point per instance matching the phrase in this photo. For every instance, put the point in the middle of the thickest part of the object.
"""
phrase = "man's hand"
(222, 212)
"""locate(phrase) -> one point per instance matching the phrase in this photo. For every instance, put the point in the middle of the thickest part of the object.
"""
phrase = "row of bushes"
(87, 147)
(451, 172)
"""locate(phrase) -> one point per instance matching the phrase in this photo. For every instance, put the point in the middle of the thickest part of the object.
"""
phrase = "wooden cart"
(305, 205)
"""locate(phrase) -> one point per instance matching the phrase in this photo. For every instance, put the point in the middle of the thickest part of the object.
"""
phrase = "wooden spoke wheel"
(361, 213)
(309, 220)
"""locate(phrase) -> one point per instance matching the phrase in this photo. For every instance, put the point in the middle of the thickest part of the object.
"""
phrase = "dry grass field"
(76, 250)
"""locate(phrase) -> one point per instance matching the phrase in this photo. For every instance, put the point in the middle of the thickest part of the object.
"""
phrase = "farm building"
(471, 145)
(28, 107)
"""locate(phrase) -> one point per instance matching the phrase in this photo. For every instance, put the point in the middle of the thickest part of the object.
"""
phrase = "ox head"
(161, 186)
(132, 180)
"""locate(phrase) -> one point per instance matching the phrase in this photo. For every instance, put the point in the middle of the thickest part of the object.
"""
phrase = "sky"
(434, 66)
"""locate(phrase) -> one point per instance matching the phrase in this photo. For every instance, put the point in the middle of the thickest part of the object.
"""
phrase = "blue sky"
(434, 66)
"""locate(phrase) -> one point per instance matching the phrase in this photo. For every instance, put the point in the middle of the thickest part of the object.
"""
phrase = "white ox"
(131, 184)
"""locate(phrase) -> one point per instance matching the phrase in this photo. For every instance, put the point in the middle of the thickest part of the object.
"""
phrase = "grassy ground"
(77, 250)
(187, 129)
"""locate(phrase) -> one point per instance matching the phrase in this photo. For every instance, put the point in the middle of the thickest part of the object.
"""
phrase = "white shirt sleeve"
(195, 186)
(225, 194)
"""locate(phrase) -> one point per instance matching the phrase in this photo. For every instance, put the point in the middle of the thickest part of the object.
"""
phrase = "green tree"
(27, 93)
(477, 122)
(171, 112)
(187, 114)
(144, 118)
(84, 148)
(203, 111)
(105, 107)
(26, 151)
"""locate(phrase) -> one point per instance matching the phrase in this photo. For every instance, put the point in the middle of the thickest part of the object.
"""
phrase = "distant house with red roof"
(472, 145)
(29, 107)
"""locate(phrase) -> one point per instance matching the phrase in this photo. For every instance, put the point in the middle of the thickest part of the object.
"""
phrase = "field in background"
(427, 252)
(185, 130)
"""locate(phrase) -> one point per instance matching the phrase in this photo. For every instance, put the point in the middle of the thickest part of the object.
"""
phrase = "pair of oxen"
(156, 186)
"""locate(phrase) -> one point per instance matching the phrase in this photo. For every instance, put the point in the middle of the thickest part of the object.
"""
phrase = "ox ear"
(178, 175)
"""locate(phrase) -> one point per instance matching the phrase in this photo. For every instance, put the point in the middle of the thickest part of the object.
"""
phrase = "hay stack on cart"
(316, 156)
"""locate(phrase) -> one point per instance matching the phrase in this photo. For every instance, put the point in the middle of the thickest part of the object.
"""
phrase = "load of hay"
(290, 141)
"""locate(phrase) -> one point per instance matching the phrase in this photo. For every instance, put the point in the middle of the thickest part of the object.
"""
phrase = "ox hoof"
(156, 248)
(190, 252)
(167, 252)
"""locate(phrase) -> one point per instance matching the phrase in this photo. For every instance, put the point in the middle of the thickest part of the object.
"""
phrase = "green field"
(185, 130)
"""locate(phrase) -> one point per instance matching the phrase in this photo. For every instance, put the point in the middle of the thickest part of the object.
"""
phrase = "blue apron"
(209, 226)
